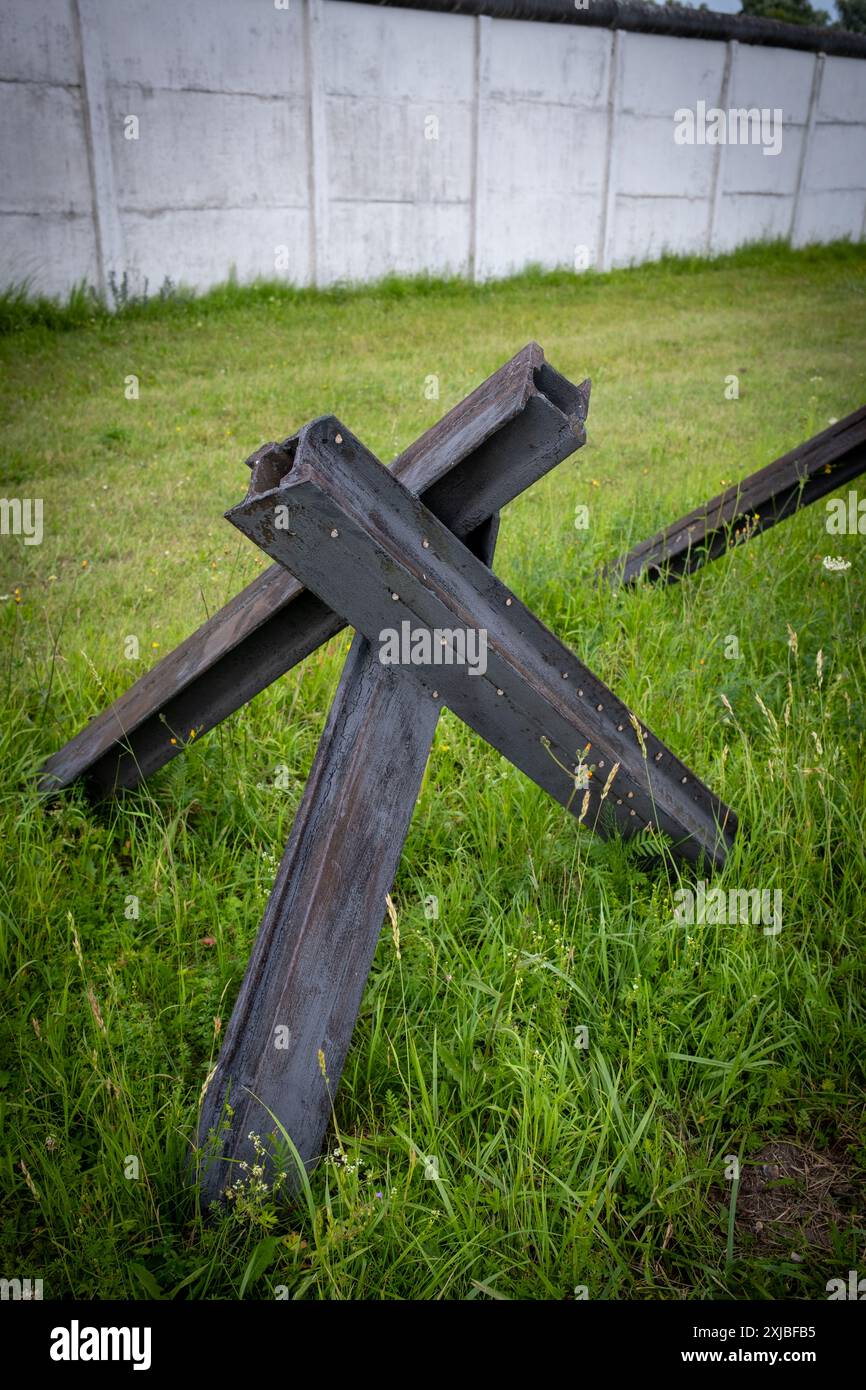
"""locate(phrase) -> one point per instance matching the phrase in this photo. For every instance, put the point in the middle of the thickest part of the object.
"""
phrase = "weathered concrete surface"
(333, 140)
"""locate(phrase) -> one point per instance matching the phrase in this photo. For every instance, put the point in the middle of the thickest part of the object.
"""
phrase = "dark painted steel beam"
(290, 1029)
(784, 487)
(505, 435)
(375, 553)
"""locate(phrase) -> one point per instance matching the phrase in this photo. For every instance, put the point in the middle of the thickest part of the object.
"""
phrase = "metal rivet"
(395, 597)
(508, 603)
(658, 757)
(426, 544)
(500, 692)
(565, 675)
(619, 801)
(630, 795)
(601, 764)
(335, 533)
(580, 692)
(435, 694)
(338, 439)
(684, 780)
(599, 708)
(620, 727)
(632, 812)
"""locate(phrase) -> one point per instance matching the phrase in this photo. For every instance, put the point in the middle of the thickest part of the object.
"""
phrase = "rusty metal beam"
(327, 508)
(786, 485)
(505, 435)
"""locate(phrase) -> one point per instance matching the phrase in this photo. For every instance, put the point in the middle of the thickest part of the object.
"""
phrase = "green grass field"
(561, 1168)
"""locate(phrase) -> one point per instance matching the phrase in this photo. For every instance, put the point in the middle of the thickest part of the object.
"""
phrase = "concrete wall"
(331, 140)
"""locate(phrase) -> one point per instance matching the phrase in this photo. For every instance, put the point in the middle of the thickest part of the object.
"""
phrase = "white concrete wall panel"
(838, 158)
(208, 150)
(376, 239)
(379, 151)
(651, 164)
(399, 55)
(748, 217)
(843, 91)
(184, 245)
(747, 169)
(541, 195)
(554, 64)
(543, 130)
(540, 230)
(230, 46)
(827, 216)
(46, 216)
(662, 74)
(49, 252)
(646, 228)
(775, 78)
(38, 42)
(399, 108)
(43, 125)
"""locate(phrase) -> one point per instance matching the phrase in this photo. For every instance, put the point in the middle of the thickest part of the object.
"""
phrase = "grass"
(559, 1166)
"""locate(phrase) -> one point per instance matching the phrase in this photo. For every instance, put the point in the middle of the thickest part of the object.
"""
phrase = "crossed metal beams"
(379, 548)
(324, 505)
(505, 435)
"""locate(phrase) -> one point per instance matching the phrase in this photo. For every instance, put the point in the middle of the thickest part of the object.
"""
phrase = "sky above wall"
(734, 6)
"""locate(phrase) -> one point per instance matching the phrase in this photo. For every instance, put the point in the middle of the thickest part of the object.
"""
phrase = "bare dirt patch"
(791, 1197)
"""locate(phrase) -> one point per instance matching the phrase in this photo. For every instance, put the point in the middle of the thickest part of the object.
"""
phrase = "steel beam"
(505, 435)
(786, 485)
(371, 550)
(292, 1024)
